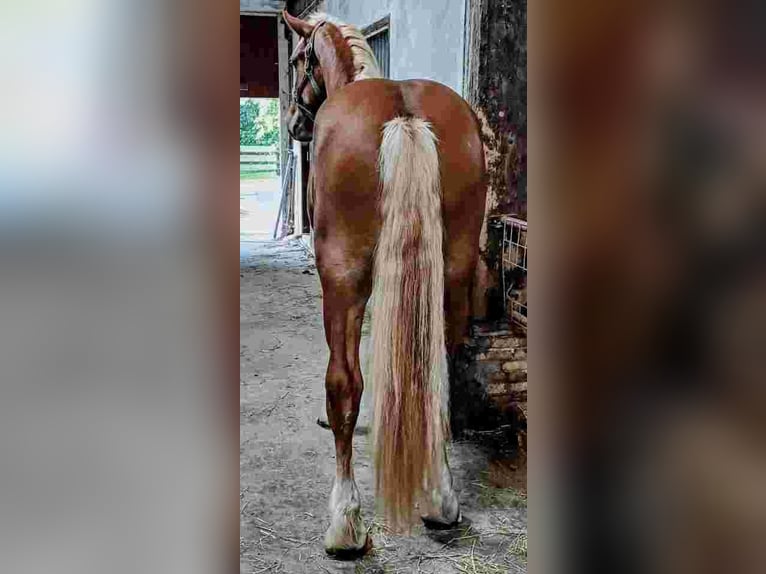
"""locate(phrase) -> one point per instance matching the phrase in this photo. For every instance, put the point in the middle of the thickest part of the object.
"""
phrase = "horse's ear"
(300, 27)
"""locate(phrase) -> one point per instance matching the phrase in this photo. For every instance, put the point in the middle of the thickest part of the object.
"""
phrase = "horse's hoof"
(350, 553)
(433, 523)
(444, 512)
(347, 535)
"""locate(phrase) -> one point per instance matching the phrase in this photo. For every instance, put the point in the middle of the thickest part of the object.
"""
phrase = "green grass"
(491, 497)
(519, 546)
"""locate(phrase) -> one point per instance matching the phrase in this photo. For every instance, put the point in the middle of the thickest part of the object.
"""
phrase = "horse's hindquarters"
(406, 201)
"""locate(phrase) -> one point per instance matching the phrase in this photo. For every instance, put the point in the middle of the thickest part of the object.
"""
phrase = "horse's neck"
(335, 82)
(335, 74)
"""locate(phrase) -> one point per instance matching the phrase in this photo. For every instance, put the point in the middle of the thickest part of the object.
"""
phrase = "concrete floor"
(259, 205)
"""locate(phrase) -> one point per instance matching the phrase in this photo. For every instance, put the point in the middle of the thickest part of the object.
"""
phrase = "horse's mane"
(365, 63)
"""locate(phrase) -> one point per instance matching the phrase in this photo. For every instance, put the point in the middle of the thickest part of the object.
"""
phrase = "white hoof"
(347, 533)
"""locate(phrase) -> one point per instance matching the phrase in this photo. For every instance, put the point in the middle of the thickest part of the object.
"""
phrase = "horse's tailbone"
(409, 358)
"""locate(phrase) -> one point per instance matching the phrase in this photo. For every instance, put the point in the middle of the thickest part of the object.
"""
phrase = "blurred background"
(647, 199)
(259, 166)
(647, 448)
(117, 382)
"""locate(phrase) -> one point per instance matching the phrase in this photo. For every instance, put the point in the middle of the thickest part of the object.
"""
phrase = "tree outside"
(258, 122)
(258, 138)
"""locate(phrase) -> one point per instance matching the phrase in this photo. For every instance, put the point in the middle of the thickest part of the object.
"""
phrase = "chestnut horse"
(398, 204)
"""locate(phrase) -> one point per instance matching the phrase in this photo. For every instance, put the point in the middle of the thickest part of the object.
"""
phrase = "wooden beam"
(298, 188)
(377, 26)
(283, 51)
(474, 10)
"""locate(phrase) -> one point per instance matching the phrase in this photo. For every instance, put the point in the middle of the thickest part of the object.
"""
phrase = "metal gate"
(514, 269)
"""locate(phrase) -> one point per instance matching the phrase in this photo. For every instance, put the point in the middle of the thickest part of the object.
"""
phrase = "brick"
(507, 343)
(490, 331)
(500, 355)
(514, 366)
(520, 387)
(494, 389)
(519, 376)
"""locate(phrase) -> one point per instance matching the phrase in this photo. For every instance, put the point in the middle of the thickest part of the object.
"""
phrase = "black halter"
(311, 60)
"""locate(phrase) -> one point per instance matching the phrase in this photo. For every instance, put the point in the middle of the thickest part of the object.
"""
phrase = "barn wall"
(426, 35)
(489, 384)
(496, 87)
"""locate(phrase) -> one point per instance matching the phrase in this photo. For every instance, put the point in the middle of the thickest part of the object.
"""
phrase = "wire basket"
(514, 269)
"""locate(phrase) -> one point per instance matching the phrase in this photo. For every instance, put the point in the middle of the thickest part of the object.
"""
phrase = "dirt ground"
(287, 460)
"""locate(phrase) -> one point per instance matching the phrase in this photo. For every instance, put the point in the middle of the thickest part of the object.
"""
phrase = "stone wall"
(489, 380)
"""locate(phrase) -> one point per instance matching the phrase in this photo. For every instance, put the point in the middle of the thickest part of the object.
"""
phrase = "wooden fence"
(255, 158)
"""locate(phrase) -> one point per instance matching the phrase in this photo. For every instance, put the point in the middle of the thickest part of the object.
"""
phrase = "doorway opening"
(259, 165)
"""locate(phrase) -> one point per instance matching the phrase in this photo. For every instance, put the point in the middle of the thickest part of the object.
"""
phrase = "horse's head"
(309, 89)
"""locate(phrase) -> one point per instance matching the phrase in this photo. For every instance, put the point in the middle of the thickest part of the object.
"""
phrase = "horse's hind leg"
(344, 305)
(445, 508)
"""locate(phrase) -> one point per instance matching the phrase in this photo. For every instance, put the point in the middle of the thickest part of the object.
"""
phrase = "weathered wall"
(426, 35)
(489, 383)
(496, 87)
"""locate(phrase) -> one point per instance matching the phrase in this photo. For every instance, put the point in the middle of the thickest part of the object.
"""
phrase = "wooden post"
(471, 49)
(298, 189)
(284, 90)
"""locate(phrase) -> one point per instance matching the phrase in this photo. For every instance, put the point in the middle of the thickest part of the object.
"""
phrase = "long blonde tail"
(409, 356)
